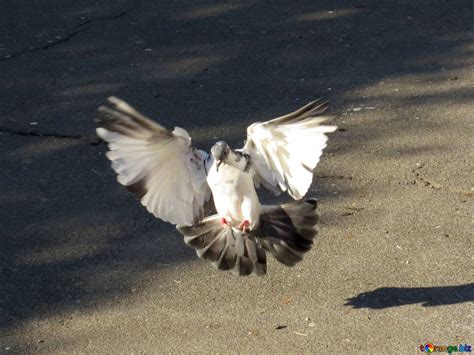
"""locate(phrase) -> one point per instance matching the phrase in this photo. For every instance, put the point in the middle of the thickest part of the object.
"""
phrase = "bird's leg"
(225, 222)
(244, 226)
(247, 216)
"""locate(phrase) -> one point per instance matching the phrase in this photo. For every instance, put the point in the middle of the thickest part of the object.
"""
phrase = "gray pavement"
(85, 269)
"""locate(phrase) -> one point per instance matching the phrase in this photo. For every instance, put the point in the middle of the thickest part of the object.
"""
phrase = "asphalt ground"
(85, 269)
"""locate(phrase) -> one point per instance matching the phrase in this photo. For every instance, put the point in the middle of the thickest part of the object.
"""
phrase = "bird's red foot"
(224, 222)
(244, 225)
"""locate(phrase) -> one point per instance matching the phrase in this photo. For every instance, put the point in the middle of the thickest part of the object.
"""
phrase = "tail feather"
(285, 231)
(227, 248)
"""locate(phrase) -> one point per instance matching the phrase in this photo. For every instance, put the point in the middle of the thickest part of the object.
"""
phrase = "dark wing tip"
(311, 109)
(138, 188)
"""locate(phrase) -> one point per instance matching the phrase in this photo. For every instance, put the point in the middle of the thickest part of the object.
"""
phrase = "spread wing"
(285, 151)
(159, 166)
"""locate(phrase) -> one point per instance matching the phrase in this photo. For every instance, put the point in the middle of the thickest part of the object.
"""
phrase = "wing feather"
(160, 167)
(285, 151)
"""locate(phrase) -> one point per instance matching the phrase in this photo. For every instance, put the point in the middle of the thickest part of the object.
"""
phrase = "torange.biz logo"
(430, 348)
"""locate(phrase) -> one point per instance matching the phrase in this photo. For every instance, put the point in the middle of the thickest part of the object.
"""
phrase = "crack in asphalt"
(46, 47)
(39, 134)
(64, 39)
(104, 18)
(434, 185)
(423, 180)
(343, 177)
(88, 138)
(419, 180)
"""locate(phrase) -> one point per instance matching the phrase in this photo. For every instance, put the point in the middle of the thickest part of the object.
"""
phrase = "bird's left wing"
(283, 152)
(159, 166)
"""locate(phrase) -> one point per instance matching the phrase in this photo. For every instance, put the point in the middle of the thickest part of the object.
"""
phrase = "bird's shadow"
(386, 297)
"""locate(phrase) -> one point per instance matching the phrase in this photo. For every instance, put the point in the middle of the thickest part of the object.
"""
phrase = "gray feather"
(121, 118)
(287, 231)
(228, 249)
(311, 109)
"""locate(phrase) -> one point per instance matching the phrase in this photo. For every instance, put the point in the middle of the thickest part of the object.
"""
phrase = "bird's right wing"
(284, 152)
(159, 166)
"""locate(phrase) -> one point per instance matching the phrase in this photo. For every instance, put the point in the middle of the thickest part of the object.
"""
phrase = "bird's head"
(220, 151)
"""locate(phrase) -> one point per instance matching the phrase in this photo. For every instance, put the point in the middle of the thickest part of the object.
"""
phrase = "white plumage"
(234, 195)
(161, 167)
(284, 155)
(174, 181)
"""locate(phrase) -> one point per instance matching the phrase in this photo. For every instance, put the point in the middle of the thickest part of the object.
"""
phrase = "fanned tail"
(227, 248)
(286, 231)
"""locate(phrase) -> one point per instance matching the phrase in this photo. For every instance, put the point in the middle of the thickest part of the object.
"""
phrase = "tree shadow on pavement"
(386, 297)
(74, 239)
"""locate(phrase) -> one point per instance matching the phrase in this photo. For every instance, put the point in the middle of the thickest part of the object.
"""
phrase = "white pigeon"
(176, 181)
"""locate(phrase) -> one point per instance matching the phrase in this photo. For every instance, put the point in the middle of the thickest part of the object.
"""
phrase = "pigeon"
(183, 185)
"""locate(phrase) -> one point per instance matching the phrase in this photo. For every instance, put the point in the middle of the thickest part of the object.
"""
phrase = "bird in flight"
(182, 185)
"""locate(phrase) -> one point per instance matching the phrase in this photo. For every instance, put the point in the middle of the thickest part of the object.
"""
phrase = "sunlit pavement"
(85, 269)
